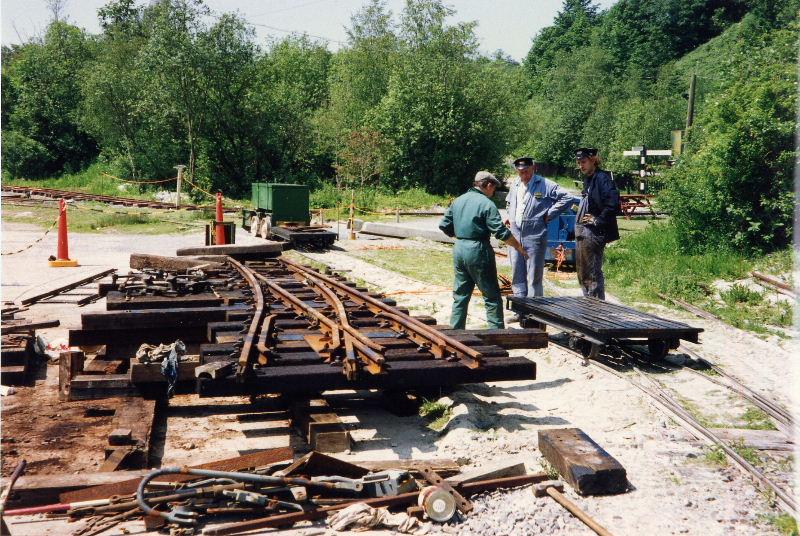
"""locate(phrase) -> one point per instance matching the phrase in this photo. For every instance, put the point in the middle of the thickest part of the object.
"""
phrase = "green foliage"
(43, 80)
(734, 188)
(785, 523)
(741, 294)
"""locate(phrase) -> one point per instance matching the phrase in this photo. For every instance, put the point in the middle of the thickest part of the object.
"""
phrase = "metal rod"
(577, 512)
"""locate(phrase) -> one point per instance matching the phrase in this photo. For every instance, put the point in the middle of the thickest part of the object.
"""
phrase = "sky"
(509, 25)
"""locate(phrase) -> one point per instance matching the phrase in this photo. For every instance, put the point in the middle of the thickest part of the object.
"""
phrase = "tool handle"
(577, 512)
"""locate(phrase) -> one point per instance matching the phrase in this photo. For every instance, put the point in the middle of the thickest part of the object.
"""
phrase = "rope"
(138, 182)
(29, 246)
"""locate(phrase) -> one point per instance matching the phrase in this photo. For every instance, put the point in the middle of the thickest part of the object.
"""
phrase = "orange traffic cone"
(219, 235)
(62, 260)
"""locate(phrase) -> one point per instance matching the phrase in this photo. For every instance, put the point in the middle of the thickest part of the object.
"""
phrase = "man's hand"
(546, 219)
(588, 220)
(521, 251)
(507, 223)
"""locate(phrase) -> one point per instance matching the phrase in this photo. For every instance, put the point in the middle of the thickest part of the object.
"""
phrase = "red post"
(220, 233)
(63, 240)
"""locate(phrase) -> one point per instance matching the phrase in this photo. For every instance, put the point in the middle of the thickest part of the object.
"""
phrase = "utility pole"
(352, 222)
(690, 108)
(180, 169)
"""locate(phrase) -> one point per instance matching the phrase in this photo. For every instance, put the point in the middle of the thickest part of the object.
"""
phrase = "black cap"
(584, 152)
(523, 161)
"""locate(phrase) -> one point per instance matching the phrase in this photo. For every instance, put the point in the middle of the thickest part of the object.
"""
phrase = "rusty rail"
(439, 344)
(249, 348)
(368, 350)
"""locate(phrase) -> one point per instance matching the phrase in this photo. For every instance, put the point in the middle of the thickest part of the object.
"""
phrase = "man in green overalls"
(472, 219)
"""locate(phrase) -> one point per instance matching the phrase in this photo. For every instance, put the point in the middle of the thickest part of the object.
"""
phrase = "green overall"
(472, 219)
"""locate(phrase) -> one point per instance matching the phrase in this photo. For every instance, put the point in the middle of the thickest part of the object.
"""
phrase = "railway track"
(650, 386)
(278, 326)
(51, 193)
(365, 337)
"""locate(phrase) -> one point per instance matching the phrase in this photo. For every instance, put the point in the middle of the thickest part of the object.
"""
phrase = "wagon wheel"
(658, 349)
(590, 350)
(265, 229)
(255, 222)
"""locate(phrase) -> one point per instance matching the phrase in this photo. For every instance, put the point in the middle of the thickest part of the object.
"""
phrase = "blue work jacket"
(543, 197)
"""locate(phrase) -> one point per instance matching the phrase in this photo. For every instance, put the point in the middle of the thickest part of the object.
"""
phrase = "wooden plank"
(757, 439)
(158, 318)
(22, 326)
(402, 375)
(116, 301)
(103, 366)
(509, 339)
(115, 460)
(151, 372)
(255, 251)
(63, 288)
(141, 261)
(320, 426)
(496, 470)
(69, 363)
(584, 464)
(155, 335)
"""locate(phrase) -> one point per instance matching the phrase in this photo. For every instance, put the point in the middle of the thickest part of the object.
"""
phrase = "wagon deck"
(601, 323)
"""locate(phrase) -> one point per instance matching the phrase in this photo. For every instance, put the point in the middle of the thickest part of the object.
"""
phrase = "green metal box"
(286, 202)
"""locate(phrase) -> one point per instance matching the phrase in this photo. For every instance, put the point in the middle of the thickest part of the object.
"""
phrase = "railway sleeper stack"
(18, 355)
(282, 334)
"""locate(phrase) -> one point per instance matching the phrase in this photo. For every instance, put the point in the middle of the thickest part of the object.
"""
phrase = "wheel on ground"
(590, 350)
(265, 229)
(255, 222)
(658, 349)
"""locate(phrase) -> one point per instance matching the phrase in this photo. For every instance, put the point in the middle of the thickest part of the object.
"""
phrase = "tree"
(46, 99)
(446, 115)
(362, 159)
(734, 187)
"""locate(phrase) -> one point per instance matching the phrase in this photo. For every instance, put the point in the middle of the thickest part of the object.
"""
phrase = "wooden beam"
(141, 261)
(23, 327)
(320, 426)
(584, 464)
(402, 375)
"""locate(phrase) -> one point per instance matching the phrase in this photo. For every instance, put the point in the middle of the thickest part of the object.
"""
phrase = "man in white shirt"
(532, 202)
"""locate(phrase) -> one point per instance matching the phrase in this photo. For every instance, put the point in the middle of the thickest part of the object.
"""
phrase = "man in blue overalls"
(532, 202)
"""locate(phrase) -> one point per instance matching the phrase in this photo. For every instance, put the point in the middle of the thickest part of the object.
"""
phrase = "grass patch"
(716, 456)
(437, 413)
(437, 268)
(642, 264)
(748, 453)
(98, 217)
(549, 469)
(783, 523)
(376, 199)
(756, 419)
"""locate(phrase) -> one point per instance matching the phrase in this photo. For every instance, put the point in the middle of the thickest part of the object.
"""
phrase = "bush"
(734, 187)
(24, 157)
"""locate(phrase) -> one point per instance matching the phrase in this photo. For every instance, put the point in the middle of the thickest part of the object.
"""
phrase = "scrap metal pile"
(277, 326)
(276, 495)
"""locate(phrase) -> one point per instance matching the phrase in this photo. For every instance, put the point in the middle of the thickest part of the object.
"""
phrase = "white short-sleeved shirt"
(522, 189)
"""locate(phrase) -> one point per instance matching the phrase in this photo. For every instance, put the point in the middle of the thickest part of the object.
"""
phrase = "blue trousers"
(527, 276)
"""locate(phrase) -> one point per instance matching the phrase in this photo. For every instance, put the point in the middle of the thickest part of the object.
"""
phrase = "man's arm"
(500, 231)
(446, 225)
(609, 196)
(563, 201)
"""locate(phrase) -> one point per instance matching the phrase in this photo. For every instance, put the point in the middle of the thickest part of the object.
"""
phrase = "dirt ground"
(676, 488)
